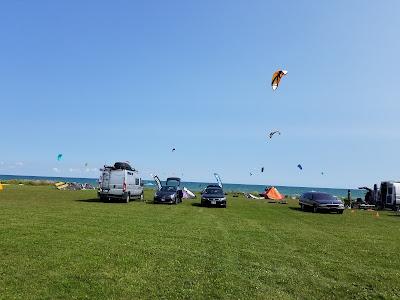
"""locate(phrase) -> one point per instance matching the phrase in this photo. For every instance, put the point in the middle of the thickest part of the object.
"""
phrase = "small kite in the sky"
(173, 149)
(322, 173)
(262, 169)
(271, 134)
(251, 174)
(86, 164)
(276, 78)
(59, 156)
(300, 167)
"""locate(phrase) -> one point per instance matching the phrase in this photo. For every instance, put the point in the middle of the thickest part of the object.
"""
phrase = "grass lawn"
(66, 244)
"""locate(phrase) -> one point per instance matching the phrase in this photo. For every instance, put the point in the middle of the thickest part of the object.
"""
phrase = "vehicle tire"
(315, 209)
(302, 207)
(128, 198)
(176, 200)
(340, 212)
(141, 196)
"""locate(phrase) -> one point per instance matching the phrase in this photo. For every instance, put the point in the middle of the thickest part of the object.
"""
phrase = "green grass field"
(67, 244)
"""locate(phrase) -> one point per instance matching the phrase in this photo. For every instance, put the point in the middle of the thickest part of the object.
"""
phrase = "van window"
(137, 181)
(390, 190)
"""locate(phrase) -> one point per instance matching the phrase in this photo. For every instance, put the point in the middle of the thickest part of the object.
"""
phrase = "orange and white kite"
(276, 78)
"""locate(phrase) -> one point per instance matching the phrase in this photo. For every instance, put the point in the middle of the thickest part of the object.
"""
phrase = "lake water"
(198, 186)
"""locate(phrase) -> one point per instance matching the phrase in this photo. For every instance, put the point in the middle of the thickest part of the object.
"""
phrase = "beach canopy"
(273, 193)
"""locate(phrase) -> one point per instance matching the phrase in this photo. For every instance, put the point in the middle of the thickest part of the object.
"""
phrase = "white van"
(390, 195)
(120, 182)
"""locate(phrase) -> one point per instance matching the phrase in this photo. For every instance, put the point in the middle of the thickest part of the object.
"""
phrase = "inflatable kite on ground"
(272, 193)
(271, 134)
(59, 156)
(300, 167)
(276, 78)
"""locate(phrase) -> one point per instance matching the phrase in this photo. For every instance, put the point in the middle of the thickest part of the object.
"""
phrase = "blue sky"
(122, 80)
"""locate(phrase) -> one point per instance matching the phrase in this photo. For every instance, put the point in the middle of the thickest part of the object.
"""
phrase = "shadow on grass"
(396, 215)
(207, 206)
(96, 200)
(90, 200)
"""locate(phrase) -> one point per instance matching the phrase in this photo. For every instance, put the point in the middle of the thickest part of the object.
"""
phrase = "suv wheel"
(302, 206)
(315, 209)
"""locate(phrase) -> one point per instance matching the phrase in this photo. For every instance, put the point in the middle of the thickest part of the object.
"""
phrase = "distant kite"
(322, 173)
(271, 134)
(251, 174)
(59, 156)
(262, 169)
(300, 167)
(276, 78)
(173, 149)
(86, 164)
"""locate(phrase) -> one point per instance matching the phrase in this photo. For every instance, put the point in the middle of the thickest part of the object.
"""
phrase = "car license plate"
(213, 202)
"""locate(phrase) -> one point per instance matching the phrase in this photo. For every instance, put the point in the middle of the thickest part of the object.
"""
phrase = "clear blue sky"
(122, 80)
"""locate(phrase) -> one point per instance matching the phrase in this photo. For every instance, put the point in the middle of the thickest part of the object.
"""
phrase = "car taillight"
(124, 186)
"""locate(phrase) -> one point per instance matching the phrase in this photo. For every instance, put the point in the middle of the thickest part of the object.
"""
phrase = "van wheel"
(141, 197)
(302, 207)
(315, 209)
(128, 198)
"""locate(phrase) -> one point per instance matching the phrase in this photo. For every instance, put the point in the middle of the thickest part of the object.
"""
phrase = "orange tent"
(273, 193)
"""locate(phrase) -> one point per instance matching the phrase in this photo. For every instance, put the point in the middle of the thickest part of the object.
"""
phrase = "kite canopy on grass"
(276, 78)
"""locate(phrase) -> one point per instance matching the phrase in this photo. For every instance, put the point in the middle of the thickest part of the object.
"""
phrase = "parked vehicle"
(120, 182)
(321, 201)
(389, 195)
(170, 193)
(213, 195)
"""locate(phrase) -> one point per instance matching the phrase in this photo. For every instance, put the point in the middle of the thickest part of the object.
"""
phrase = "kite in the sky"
(173, 149)
(251, 174)
(59, 156)
(322, 173)
(271, 134)
(262, 169)
(300, 167)
(86, 164)
(276, 78)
